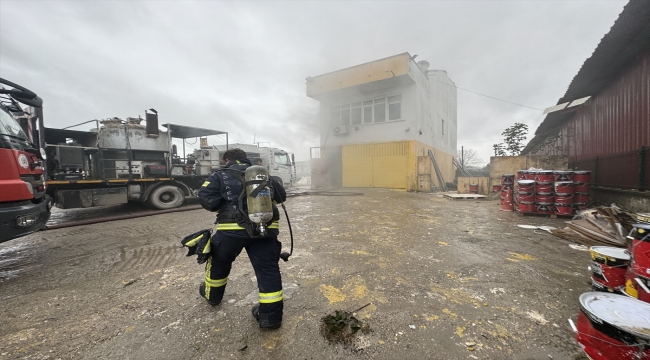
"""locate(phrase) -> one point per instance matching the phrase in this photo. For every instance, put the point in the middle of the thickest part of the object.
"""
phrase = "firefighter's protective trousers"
(264, 254)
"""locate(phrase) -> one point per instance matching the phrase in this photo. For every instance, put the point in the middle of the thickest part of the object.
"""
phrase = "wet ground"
(445, 279)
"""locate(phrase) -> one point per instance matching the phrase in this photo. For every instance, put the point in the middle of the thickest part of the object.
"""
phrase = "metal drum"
(610, 326)
(531, 175)
(544, 187)
(526, 198)
(521, 174)
(526, 207)
(580, 198)
(563, 209)
(566, 199)
(526, 186)
(608, 266)
(564, 187)
(563, 175)
(545, 175)
(581, 187)
(582, 176)
(507, 179)
(544, 208)
(544, 198)
(640, 249)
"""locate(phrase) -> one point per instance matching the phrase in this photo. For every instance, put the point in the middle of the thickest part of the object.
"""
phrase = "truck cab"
(24, 205)
(278, 162)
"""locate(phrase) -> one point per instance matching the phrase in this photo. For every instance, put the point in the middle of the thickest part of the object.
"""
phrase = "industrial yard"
(445, 279)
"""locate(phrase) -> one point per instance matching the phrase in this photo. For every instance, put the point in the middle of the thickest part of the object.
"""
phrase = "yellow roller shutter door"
(376, 165)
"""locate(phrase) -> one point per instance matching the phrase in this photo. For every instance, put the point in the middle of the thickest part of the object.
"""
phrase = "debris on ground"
(600, 226)
(342, 326)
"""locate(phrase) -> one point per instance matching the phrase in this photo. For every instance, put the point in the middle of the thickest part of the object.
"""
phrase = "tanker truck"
(121, 161)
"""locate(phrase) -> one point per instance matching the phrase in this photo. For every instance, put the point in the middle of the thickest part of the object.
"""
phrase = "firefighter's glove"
(198, 244)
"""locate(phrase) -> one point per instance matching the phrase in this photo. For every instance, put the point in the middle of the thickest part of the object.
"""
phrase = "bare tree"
(468, 158)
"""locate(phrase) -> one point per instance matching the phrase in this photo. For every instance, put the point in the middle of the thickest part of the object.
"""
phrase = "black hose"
(120, 217)
(285, 256)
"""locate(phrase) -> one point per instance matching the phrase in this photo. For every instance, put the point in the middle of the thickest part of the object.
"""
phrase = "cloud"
(240, 66)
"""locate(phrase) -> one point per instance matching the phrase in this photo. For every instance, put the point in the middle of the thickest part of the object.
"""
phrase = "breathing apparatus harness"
(261, 186)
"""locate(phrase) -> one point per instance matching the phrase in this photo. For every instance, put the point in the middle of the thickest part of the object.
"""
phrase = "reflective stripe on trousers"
(269, 298)
(212, 283)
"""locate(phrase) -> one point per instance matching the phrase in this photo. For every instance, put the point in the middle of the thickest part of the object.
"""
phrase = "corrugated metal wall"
(616, 120)
(376, 165)
(607, 134)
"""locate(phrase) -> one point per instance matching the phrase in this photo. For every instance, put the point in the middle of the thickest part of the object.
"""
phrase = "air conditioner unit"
(340, 130)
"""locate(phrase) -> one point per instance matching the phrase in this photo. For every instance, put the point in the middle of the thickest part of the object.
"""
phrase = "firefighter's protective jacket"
(220, 193)
(198, 244)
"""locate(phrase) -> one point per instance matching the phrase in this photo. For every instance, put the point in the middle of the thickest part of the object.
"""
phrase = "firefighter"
(221, 193)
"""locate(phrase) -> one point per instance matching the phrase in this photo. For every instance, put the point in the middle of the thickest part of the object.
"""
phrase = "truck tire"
(166, 197)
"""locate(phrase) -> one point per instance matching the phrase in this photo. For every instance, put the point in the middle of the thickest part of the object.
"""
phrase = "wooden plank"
(465, 196)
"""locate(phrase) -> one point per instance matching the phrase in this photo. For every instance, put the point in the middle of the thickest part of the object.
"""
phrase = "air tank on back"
(260, 206)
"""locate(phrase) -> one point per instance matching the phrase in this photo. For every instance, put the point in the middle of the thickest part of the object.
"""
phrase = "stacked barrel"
(557, 192)
(624, 271)
(544, 191)
(507, 190)
(581, 180)
(564, 191)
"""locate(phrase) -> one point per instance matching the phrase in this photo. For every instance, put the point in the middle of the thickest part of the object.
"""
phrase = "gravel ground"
(445, 279)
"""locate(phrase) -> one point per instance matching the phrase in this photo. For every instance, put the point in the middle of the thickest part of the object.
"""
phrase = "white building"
(377, 118)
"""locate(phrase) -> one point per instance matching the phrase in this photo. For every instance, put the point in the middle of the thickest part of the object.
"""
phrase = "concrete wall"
(500, 165)
(635, 201)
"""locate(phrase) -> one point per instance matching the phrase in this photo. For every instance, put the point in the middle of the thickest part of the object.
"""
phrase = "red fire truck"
(24, 205)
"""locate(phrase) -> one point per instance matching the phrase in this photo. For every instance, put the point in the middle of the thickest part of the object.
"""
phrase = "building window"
(380, 110)
(345, 115)
(395, 107)
(368, 111)
(335, 115)
(356, 114)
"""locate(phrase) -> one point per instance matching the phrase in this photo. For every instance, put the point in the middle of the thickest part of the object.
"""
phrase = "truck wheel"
(166, 197)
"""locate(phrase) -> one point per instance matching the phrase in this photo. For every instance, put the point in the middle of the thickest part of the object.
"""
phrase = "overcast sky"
(241, 66)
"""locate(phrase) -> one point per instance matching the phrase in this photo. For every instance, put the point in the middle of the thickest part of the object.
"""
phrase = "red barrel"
(564, 199)
(608, 266)
(526, 186)
(582, 176)
(563, 175)
(599, 330)
(473, 188)
(531, 175)
(507, 203)
(581, 187)
(640, 249)
(521, 174)
(526, 207)
(563, 209)
(544, 187)
(507, 179)
(637, 286)
(580, 198)
(544, 198)
(545, 175)
(544, 208)
(506, 186)
(564, 187)
(526, 198)
(496, 188)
